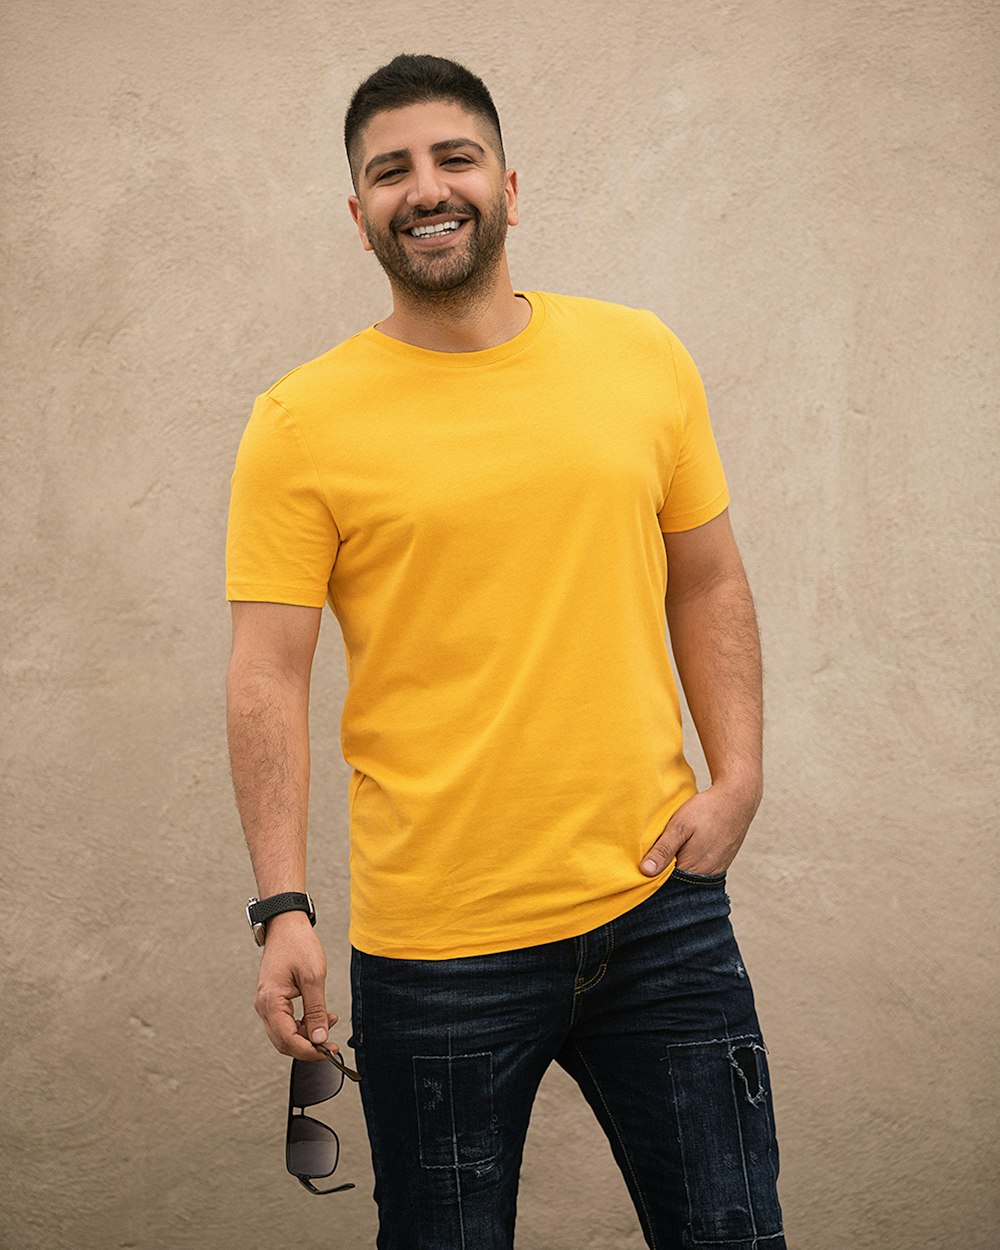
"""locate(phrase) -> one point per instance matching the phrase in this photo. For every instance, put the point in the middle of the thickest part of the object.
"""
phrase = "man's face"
(432, 168)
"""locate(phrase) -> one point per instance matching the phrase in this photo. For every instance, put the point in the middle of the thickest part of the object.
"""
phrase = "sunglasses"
(312, 1148)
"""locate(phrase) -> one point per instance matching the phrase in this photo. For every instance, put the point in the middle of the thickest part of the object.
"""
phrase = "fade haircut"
(417, 80)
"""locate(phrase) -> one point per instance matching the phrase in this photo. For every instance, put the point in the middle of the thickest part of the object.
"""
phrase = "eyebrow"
(401, 154)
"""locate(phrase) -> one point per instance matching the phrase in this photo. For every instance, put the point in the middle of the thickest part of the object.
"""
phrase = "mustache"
(457, 210)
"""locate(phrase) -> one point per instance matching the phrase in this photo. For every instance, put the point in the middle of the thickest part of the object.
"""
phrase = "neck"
(458, 321)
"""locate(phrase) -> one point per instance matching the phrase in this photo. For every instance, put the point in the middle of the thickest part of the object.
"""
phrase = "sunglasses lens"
(314, 1082)
(312, 1148)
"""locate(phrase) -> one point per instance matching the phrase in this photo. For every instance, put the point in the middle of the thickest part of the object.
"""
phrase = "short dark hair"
(409, 80)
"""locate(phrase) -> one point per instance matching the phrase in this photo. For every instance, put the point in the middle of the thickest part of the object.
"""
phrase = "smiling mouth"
(432, 232)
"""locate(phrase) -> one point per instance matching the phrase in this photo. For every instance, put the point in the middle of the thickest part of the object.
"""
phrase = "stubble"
(456, 275)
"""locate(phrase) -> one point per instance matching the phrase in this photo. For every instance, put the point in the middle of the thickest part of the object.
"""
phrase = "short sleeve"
(697, 491)
(282, 539)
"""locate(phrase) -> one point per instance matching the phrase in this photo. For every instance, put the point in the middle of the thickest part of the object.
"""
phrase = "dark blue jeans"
(652, 1015)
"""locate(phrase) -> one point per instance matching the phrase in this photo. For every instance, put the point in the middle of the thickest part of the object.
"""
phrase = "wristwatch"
(261, 910)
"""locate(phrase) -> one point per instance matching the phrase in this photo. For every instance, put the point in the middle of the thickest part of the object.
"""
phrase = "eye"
(388, 173)
(458, 160)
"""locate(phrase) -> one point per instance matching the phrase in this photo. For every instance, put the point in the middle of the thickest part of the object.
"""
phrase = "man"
(489, 487)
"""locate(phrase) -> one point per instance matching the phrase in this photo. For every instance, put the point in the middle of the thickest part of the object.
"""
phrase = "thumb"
(314, 1014)
(663, 850)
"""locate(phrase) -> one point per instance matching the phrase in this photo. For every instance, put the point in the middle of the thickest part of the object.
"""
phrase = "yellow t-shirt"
(487, 528)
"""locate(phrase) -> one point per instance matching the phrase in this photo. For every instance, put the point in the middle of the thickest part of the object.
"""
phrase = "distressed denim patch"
(720, 1090)
(455, 1116)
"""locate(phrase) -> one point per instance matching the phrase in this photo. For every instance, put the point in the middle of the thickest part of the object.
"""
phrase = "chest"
(461, 449)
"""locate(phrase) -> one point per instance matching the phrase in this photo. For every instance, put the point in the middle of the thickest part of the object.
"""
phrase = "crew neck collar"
(465, 360)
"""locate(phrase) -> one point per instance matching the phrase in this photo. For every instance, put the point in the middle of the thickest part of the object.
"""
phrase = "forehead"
(418, 126)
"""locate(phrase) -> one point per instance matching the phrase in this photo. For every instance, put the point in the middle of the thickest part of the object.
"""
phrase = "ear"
(354, 204)
(510, 194)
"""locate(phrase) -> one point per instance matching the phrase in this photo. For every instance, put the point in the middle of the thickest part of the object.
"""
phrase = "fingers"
(303, 1030)
(662, 853)
(664, 850)
(293, 966)
(274, 1006)
(288, 1035)
(704, 834)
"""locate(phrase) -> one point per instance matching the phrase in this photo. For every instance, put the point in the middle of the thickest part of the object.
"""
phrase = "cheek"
(364, 232)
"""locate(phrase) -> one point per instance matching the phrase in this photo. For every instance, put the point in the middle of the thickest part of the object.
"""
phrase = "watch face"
(258, 933)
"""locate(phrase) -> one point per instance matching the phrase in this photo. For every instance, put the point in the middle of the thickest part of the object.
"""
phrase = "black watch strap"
(261, 910)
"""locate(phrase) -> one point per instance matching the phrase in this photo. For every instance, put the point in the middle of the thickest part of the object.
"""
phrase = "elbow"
(255, 680)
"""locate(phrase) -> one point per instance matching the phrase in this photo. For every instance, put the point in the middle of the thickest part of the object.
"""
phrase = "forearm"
(268, 727)
(713, 630)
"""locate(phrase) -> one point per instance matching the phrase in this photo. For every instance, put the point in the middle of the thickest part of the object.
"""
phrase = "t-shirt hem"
(240, 592)
(700, 516)
(554, 933)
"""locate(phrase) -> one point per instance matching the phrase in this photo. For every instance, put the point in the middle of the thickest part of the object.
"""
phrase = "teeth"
(425, 232)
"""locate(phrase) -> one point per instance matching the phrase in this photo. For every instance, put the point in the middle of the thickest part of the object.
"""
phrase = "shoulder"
(607, 317)
(610, 329)
(315, 381)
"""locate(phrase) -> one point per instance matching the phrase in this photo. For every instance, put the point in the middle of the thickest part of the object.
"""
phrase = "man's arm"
(268, 723)
(713, 629)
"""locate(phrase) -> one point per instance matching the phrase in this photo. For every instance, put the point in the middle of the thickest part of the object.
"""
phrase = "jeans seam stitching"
(694, 879)
(454, 1144)
(621, 1143)
(593, 980)
(581, 959)
(603, 967)
(756, 1239)
(457, 1167)
(743, 1151)
(716, 1041)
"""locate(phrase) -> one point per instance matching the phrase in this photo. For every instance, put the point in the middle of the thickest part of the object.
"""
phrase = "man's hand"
(705, 832)
(293, 966)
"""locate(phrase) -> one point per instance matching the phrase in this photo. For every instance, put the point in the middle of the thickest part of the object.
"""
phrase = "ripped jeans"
(653, 1017)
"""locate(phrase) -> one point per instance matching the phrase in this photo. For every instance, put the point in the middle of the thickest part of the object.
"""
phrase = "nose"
(428, 186)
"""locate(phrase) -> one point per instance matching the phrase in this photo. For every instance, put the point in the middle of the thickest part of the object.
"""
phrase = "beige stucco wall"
(807, 193)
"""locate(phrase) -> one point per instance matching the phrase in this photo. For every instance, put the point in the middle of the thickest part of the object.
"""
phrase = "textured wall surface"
(808, 194)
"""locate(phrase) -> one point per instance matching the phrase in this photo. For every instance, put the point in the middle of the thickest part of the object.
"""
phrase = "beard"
(459, 272)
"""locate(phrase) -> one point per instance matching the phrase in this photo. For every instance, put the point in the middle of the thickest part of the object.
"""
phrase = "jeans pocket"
(455, 1117)
(699, 878)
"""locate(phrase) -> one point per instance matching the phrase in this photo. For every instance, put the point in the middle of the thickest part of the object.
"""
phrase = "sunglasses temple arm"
(337, 1062)
(337, 1189)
